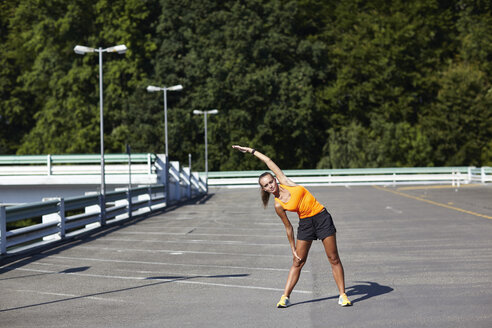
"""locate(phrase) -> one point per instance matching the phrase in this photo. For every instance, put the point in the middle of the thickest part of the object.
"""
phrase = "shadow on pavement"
(160, 281)
(67, 271)
(370, 290)
(357, 293)
(194, 277)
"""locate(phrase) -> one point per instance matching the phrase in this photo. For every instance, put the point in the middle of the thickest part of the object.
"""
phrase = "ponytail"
(265, 197)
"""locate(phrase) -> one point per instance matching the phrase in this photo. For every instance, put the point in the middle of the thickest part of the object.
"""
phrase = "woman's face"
(269, 184)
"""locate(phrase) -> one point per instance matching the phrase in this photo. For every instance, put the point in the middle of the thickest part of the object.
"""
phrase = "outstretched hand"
(242, 149)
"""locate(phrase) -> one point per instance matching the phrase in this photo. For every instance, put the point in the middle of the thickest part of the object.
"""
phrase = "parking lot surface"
(414, 256)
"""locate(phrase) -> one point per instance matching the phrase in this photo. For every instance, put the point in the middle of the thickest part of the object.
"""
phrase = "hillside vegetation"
(311, 83)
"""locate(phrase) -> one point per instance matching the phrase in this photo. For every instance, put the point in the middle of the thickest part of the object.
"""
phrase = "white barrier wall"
(31, 182)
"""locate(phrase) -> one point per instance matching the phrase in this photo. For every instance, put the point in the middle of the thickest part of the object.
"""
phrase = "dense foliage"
(312, 83)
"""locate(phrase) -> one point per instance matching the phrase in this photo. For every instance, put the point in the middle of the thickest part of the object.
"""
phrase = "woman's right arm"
(288, 228)
(269, 162)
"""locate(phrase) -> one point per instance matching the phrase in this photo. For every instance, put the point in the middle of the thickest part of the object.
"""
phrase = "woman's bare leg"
(330, 244)
(302, 249)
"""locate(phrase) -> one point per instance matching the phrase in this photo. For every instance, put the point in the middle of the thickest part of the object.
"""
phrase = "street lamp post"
(205, 113)
(82, 50)
(152, 88)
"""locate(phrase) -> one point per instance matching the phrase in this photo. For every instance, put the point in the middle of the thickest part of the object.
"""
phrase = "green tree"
(383, 56)
(15, 112)
(459, 126)
(309, 82)
(246, 60)
(67, 86)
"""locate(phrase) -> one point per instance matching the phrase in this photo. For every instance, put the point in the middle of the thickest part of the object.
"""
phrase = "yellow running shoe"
(343, 300)
(284, 302)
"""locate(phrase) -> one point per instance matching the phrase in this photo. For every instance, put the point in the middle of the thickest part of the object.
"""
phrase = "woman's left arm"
(282, 178)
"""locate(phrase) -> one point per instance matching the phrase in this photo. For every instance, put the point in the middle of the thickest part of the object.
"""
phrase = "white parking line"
(180, 281)
(280, 227)
(68, 295)
(197, 241)
(122, 250)
(394, 210)
(197, 234)
(171, 264)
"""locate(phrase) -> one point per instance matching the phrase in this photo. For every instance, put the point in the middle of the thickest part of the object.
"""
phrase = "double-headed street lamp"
(82, 50)
(152, 88)
(205, 113)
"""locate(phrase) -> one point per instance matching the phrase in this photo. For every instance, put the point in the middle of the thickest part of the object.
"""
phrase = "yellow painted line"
(439, 187)
(434, 203)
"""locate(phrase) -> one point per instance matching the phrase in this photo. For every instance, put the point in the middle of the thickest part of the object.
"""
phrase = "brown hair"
(265, 196)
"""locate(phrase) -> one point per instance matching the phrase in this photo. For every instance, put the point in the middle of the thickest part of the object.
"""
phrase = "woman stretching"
(314, 223)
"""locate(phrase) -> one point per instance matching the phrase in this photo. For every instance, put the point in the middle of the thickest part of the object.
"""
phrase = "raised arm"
(268, 161)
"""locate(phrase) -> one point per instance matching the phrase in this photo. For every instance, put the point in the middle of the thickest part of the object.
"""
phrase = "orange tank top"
(301, 201)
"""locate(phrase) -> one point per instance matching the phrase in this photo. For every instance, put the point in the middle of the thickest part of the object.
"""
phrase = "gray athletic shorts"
(315, 227)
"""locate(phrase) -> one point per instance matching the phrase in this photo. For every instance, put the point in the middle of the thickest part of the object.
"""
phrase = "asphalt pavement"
(414, 256)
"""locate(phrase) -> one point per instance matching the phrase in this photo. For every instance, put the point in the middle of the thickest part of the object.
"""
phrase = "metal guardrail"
(96, 210)
(74, 164)
(417, 175)
(77, 158)
(69, 217)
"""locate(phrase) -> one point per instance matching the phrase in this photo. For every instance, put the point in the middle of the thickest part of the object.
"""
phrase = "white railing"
(59, 224)
(65, 218)
(371, 176)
